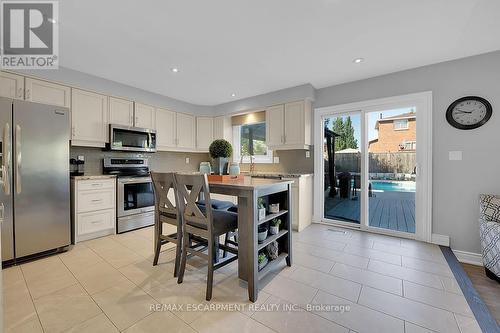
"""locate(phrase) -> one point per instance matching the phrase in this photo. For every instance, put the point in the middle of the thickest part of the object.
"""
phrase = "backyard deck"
(388, 210)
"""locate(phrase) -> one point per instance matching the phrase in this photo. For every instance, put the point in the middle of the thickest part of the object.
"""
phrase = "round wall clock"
(469, 112)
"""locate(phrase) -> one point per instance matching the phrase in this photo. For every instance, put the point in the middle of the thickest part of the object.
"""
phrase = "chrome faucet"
(252, 163)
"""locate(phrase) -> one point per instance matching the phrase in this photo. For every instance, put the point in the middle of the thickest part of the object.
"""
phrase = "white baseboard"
(469, 257)
(440, 239)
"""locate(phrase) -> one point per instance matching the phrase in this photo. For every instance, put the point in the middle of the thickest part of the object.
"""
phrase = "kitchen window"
(250, 140)
(401, 124)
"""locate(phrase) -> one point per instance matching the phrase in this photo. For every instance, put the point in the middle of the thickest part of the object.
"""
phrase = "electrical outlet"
(276, 159)
(187, 160)
(308, 154)
(455, 155)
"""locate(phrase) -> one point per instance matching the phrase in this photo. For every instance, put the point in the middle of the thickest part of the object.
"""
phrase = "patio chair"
(489, 233)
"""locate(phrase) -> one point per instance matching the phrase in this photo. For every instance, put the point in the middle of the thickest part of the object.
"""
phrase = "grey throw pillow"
(490, 207)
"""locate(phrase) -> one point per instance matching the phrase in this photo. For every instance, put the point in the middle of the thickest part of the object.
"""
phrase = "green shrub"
(220, 148)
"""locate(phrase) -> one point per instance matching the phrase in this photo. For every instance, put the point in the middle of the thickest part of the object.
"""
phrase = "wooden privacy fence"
(397, 162)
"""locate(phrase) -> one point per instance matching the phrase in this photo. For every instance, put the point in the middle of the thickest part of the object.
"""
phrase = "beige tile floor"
(384, 284)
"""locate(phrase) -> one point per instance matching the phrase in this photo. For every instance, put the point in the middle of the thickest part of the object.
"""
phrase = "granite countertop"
(90, 177)
(249, 183)
(272, 174)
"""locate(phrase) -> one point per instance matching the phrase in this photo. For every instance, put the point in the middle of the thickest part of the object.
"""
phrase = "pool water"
(394, 186)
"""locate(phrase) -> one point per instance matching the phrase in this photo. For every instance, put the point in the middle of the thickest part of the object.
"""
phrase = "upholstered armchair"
(489, 232)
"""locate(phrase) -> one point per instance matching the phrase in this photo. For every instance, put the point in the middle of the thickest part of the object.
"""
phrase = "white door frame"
(423, 214)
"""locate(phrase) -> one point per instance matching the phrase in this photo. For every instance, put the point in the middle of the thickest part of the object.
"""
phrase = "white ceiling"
(257, 46)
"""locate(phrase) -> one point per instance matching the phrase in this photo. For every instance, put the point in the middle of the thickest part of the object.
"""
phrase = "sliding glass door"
(342, 167)
(371, 166)
(392, 163)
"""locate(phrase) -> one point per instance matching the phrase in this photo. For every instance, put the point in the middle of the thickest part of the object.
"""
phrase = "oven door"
(132, 138)
(135, 196)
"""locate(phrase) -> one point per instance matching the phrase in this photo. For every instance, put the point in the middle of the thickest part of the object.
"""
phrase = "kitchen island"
(248, 192)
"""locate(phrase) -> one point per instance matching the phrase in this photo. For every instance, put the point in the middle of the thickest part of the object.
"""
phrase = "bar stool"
(202, 221)
(166, 212)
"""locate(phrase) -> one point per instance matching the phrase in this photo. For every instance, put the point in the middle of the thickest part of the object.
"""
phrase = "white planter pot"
(273, 230)
(261, 236)
(274, 208)
(262, 213)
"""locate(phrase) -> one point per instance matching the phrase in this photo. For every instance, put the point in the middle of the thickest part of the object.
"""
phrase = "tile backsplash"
(160, 161)
(290, 160)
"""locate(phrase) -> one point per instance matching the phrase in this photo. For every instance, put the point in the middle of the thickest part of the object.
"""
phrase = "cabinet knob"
(28, 94)
(20, 92)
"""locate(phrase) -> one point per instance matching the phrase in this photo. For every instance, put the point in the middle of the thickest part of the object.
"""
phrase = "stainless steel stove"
(134, 192)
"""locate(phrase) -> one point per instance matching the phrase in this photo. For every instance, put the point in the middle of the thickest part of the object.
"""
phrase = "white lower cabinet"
(93, 207)
(302, 204)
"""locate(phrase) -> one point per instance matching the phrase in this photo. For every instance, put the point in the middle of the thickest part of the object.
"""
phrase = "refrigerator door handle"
(18, 159)
(6, 159)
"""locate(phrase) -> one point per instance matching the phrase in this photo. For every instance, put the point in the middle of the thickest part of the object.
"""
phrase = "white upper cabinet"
(204, 132)
(44, 92)
(222, 128)
(11, 85)
(89, 115)
(275, 125)
(185, 131)
(144, 115)
(166, 134)
(121, 112)
(294, 123)
(289, 125)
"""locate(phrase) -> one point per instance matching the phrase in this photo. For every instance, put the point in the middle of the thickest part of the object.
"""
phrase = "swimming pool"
(394, 186)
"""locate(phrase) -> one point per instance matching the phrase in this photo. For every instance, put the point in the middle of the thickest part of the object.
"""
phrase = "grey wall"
(456, 184)
(276, 97)
(108, 87)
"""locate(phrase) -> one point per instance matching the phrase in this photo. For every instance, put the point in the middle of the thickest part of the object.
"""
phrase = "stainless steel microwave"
(132, 138)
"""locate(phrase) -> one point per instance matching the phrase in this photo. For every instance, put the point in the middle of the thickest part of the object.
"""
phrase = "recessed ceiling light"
(233, 95)
(358, 60)
(175, 70)
(51, 20)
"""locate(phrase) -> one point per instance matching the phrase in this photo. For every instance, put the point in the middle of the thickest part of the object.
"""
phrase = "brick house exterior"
(397, 133)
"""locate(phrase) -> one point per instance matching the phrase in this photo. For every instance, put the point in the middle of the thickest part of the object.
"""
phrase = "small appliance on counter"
(135, 201)
(77, 166)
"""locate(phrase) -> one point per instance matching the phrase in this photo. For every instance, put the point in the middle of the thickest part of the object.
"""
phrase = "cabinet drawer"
(84, 185)
(96, 221)
(95, 200)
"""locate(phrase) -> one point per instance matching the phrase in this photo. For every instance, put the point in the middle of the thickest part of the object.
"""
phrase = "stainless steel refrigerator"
(34, 185)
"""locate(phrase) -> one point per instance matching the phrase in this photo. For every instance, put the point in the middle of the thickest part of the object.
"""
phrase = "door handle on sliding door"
(18, 159)
(6, 159)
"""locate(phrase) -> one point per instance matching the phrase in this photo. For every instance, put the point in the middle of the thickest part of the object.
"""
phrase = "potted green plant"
(275, 226)
(262, 208)
(262, 260)
(220, 151)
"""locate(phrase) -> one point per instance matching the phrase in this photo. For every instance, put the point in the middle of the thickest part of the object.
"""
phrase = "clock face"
(469, 112)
